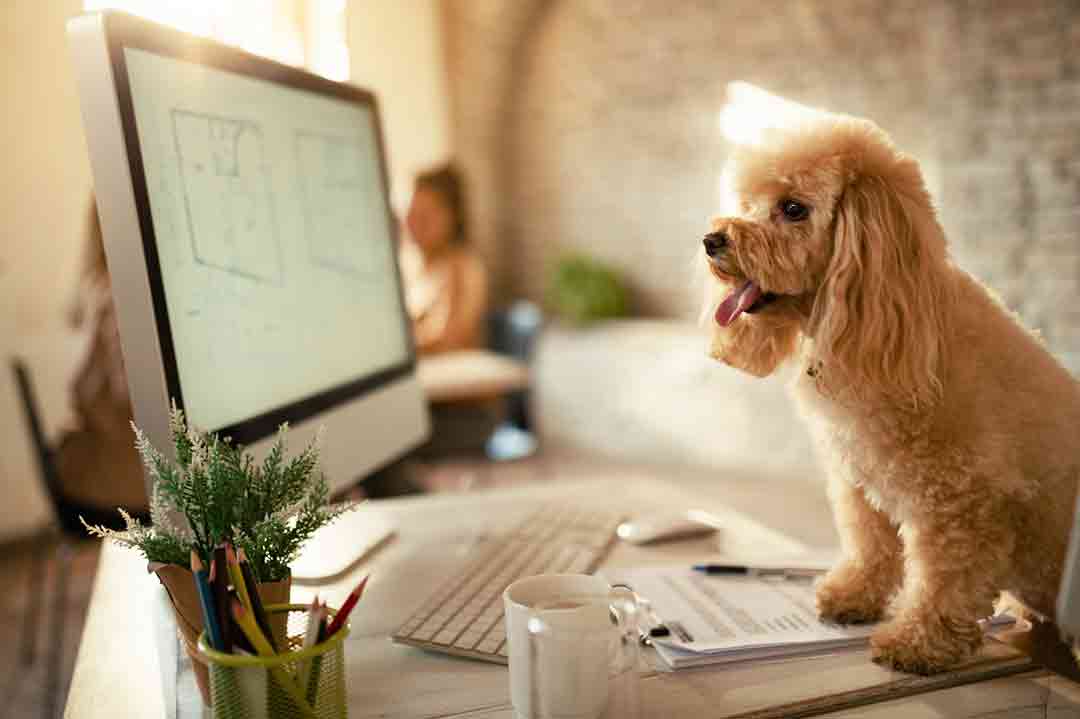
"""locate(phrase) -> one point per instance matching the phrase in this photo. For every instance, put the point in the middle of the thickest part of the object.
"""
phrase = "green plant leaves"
(582, 291)
(268, 509)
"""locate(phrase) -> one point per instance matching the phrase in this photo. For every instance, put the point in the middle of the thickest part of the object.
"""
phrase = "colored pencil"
(347, 607)
(237, 576)
(316, 663)
(257, 608)
(206, 598)
(221, 599)
(262, 647)
(316, 614)
(240, 640)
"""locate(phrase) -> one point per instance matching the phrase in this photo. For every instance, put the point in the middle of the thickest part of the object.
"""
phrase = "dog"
(950, 435)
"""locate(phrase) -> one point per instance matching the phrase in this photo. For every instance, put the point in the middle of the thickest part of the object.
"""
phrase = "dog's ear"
(879, 317)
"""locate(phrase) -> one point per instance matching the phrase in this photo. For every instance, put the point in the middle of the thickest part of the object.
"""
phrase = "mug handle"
(624, 603)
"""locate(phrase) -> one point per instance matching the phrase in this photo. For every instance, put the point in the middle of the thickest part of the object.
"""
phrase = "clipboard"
(812, 686)
(819, 681)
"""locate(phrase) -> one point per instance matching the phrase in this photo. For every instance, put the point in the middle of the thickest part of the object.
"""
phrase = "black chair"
(513, 332)
(60, 538)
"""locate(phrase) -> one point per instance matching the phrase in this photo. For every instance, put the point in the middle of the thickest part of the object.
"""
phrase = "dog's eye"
(794, 210)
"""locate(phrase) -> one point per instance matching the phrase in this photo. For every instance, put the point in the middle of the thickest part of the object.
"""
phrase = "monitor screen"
(272, 237)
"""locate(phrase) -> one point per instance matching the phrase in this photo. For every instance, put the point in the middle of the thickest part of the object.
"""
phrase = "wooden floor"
(41, 625)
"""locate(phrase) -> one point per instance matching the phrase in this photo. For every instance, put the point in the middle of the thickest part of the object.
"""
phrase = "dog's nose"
(715, 242)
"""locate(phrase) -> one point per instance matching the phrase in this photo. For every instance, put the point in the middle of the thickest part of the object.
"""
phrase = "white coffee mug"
(572, 647)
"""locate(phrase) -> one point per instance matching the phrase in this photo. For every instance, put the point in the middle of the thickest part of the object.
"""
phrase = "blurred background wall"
(591, 125)
(394, 48)
(44, 180)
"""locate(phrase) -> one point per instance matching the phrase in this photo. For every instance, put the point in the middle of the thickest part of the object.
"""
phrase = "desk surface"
(118, 672)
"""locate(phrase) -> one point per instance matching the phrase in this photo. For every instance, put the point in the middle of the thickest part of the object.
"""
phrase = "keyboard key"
(425, 633)
(469, 639)
(447, 636)
(489, 645)
(580, 564)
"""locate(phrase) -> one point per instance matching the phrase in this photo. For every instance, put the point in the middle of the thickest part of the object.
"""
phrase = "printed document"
(722, 618)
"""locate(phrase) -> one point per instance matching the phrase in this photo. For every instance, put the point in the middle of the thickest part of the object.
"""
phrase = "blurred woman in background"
(96, 456)
(445, 281)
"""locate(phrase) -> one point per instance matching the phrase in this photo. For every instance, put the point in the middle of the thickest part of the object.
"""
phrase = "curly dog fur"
(950, 435)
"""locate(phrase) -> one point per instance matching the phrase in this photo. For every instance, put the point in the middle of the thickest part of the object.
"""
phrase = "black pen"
(658, 628)
(743, 570)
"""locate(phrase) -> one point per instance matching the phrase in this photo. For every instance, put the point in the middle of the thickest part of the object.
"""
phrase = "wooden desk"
(119, 673)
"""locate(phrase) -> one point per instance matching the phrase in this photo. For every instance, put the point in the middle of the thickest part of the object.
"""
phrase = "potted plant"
(216, 492)
(582, 291)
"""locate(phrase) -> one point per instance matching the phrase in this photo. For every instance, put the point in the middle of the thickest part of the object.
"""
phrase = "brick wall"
(592, 125)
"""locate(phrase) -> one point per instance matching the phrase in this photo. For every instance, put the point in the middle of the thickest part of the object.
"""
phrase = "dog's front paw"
(925, 644)
(850, 595)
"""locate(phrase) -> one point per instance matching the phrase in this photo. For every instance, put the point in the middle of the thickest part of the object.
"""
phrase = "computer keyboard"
(465, 615)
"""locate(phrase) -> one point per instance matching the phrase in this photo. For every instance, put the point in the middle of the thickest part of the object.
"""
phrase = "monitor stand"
(334, 550)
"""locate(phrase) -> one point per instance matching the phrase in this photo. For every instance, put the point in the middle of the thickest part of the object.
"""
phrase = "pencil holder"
(307, 683)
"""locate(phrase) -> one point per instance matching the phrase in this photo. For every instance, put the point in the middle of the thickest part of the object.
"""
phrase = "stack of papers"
(716, 619)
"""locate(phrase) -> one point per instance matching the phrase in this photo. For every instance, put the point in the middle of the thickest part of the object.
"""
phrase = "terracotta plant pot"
(180, 584)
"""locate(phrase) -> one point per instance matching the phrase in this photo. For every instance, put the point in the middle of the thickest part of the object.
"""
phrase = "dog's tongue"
(734, 304)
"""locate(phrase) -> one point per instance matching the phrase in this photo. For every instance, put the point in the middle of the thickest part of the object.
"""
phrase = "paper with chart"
(719, 613)
(721, 618)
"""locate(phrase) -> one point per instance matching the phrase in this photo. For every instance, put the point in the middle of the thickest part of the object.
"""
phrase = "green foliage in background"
(582, 290)
(215, 492)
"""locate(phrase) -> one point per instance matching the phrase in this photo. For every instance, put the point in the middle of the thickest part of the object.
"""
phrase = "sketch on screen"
(227, 195)
(341, 203)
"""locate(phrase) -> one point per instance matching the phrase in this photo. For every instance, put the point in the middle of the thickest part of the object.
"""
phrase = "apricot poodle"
(951, 436)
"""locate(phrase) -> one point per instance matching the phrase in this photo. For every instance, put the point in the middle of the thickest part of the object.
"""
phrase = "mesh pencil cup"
(301, 683)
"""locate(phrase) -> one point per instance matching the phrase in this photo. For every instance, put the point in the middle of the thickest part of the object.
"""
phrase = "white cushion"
(646, 390)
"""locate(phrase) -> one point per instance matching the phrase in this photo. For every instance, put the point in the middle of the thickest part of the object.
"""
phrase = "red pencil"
(347, 607)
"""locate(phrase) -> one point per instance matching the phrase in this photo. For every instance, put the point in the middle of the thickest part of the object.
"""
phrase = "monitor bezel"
(124, 31)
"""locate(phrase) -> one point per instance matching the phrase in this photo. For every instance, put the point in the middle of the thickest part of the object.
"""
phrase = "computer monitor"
(251, 245)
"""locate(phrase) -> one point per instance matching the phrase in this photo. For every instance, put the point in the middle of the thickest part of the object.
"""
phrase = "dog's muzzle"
(715, 243)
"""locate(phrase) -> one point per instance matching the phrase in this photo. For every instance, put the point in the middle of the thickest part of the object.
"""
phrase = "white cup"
(572, 645)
